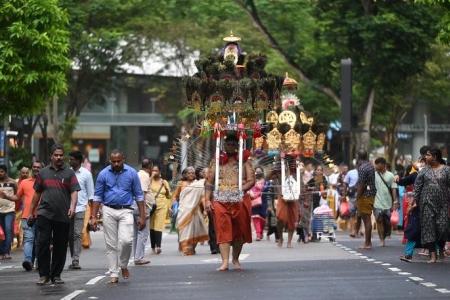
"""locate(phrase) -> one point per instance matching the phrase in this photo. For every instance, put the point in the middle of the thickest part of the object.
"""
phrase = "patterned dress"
(432, 193)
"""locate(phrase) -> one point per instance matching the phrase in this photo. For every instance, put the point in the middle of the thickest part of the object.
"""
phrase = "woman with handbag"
(259, 203)
(161, 190)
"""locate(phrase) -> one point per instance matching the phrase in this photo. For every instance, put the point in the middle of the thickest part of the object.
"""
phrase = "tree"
(33, 55)
(387, 41)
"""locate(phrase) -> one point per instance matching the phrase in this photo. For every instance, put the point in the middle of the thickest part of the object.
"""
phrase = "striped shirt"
(56, 185)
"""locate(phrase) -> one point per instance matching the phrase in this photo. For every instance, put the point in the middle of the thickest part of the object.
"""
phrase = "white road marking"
(443, 291)
(92, 297)
(386, 264)
(416, 278)
(95, 280)
(358, 254)
(370, 259)
(242, 257)
(6, 267)
(395, 269)
(73, 295)
(363, 257)
(404, 273)
(377, 262)
(428, 284)
(352, 252)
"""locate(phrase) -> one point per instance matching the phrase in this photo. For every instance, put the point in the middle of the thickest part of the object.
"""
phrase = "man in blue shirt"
(116, 188)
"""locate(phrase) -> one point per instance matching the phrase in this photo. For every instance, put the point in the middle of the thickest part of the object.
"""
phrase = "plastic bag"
(395, 218)
(344, 209)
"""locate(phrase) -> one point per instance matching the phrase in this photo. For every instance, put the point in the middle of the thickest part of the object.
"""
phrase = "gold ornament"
(196, 102)
(292, 140)
(259, 142)
(272, 117)
(231, 38)
(309, 141)
(289, 82)
(305, 120)
(320, 142)
(287, 117)
(274, 139)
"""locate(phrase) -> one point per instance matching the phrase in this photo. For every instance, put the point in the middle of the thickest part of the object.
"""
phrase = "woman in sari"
(190, 220)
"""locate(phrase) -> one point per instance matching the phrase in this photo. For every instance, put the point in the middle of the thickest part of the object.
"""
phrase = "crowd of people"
(56, 206)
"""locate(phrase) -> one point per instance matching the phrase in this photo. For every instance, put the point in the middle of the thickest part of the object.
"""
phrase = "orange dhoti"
(232, 221)
(288, 213)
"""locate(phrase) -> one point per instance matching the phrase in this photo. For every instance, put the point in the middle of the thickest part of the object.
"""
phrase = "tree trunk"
(363, 135)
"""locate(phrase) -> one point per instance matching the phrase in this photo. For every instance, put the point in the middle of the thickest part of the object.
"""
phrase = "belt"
(119, 206)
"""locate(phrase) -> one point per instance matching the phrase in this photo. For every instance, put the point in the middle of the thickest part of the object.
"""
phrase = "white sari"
(190, 223)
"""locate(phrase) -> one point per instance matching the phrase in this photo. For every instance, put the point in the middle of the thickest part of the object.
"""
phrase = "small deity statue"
(232, 50)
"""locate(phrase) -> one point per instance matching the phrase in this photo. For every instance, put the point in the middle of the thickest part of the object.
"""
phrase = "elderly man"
(117, 187)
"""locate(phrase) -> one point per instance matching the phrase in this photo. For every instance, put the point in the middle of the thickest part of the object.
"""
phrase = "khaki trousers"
(118, 232)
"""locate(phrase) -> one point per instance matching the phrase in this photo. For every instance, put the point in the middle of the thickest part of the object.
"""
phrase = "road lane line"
(377, 262)
(386, 264)
(428, 284)
(395, 269)
(443, 291)
(416, 278)
(404, 273)
(363, 257)
(95, 280)
(370, 259)
(73, 295)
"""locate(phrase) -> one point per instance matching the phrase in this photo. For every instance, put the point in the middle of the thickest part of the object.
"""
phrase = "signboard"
(94, 155)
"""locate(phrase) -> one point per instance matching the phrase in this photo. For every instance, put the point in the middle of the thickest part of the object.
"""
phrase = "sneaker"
(57, 280)
(75, 265)
(27, 266)
(406, 258)
(43, 280)
(114, 280)
(141, 262)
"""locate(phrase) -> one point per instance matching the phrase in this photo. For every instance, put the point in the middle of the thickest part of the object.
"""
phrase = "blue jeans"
(409, 248)
(29, 234)
(7, 223)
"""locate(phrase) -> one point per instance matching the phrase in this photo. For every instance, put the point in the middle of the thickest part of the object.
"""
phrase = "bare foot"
(383, 243)
(223, 268)
(289, 245)
(365, 247)
(237, 265)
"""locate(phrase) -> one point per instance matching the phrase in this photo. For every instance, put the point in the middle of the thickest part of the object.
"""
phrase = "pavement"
(321, 270)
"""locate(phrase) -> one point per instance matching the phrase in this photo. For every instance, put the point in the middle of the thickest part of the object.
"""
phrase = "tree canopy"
(34, 45)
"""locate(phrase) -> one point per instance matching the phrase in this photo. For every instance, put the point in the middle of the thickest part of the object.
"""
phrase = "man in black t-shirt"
(56, 189)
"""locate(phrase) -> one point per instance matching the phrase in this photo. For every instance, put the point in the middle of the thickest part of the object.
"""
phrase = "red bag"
(2, 234)
(395, 218)
(344, 209)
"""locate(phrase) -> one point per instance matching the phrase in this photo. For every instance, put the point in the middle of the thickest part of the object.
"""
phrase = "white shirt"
(86, 193)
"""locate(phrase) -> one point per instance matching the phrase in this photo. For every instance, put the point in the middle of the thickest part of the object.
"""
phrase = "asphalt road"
(313, 271)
